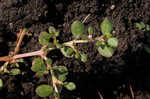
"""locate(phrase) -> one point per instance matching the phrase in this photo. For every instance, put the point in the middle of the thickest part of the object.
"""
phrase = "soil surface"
(112, 78)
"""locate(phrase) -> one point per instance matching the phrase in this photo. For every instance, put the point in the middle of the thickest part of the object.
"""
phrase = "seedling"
(146, 29)
(42, 65)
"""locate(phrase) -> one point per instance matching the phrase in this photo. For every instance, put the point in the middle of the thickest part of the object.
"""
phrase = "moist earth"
(111, 77)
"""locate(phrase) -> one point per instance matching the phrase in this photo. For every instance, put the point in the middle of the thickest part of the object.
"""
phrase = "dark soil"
(110, 77)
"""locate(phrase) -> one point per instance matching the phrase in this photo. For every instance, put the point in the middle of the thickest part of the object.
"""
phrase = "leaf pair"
(39, 66)
(45, 37)
(106, 48)
(61, 71)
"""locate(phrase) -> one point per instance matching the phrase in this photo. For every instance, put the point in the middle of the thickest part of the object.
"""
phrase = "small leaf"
(44, 90)
(58, 45)
(106, 51)
(39, 73)
(113, 42)
(49, 61)
(106, 26)
(15, 72)
(108, 35)
(90, 30)
(38, 65)
(67, 52)
(60, 69)
(52, 30)
(139, 26)
(77, 29)
(1, 83)
(70, 86)
(44, 38)
(77, 56)
(62, 77)
(83, 57)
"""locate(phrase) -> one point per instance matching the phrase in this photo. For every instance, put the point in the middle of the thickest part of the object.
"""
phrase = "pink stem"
(36, 53)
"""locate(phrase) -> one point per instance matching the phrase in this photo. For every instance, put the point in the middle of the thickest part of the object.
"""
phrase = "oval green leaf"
(38, 65)
(62, 77)
(44, 90)
(60, 70)
(106, 51)
(83, 57)
(77, 29)
(106, 26)
(67, 52)
(44, 38)
(15, 72)
(70, 86)
(52, 30)
(113, 42)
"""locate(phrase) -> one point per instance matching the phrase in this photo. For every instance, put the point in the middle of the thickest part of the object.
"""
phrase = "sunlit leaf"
(52, 30)
(38, 65)
(67, 52)
(106, 51)
(62, 77)
(44, 38)
(113, 42)
(15, 72)
(58, 45)
(77, 29)
(44, 90)
(49, 61)
(77, 56)
(83, 57)
(60, 69)
(70, 86)
(106, 26)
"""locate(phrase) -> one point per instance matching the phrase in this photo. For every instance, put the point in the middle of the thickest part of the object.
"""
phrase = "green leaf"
(62, 77)
(44, 38)
(1, 83)
(52, 30)
(113, 42)
(77, 56)
(70, 86)
(106, 51)
(49, 61)
(106, 26)
(67, 52)
(38, 65)
(83, 57)
(60, 69)
(39, 73)
(58, 45)
(90, 30)
(77, 29)
(15, 72)
(44, 90)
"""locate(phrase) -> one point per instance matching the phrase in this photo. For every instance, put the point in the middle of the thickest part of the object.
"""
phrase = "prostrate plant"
(146, 29)
(43, 65)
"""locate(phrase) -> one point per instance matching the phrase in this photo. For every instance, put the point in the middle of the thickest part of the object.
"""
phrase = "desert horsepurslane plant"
(42, 65)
